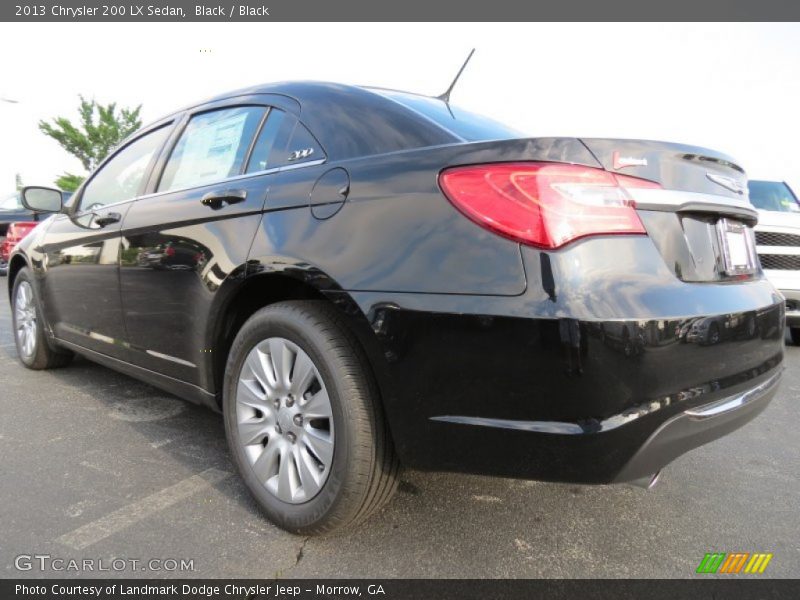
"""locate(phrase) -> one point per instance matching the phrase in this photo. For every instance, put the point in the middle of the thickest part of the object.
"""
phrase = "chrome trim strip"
(310, 163)
(594, 426)
(534, 426)
(102, 338)
(778, 250)
(680, 200)
(79, 214)
(180, 361)
(729, 183)
(734, 402)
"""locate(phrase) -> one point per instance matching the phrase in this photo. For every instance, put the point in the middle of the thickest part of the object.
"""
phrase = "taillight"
(169, 251)
(545, 204)
(11, 233)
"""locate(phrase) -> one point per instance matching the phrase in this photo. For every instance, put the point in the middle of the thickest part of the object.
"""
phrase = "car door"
(81, 286)
(194, 230)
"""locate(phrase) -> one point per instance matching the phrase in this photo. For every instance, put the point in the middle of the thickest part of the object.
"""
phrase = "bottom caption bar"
(396, 589)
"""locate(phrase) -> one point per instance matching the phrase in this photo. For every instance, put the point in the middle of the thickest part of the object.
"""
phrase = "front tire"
(795, 333)
(303, 419)
(33, 347)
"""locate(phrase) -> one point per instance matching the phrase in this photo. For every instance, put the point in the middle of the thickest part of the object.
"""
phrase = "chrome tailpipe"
(648, 482)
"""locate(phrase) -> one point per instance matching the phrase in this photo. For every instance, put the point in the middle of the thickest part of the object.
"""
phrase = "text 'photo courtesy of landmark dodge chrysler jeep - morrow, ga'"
(360, 279)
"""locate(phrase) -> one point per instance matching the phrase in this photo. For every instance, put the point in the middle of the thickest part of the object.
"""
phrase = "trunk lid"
(701, 220)
(675, 166)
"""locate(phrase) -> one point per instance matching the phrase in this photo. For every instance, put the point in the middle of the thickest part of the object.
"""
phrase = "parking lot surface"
(98, 466)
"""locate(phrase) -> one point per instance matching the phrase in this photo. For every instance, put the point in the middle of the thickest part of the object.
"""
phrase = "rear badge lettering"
(298, 154)
(620, 162)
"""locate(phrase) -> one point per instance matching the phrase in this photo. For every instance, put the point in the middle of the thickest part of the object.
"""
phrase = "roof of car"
(349, 121)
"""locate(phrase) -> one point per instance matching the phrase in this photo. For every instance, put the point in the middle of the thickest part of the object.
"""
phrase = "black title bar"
(398, 10)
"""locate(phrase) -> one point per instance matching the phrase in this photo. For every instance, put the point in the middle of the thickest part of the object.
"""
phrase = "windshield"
(773, 195)
(10, 202)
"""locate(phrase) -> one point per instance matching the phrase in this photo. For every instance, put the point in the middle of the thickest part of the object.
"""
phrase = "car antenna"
(446, 96)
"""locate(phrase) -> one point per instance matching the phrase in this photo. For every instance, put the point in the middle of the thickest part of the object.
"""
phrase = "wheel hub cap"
(284, 420)
(25, 319)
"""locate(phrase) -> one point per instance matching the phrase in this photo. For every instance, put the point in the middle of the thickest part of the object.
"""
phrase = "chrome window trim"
(293, 166)
(79, 214)
(310, 163)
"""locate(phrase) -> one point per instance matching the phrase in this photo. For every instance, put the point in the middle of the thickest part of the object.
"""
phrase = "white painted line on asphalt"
(88, 465)
(161, 443)
(120, 519)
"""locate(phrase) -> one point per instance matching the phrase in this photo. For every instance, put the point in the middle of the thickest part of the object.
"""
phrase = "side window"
(212, 147)
(271, 141)
(303, 146)
(121, 177)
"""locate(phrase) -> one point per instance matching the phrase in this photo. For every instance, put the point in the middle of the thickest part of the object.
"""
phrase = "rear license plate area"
(736, 248)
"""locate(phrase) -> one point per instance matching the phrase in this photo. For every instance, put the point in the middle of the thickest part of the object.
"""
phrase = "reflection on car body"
(427, 287)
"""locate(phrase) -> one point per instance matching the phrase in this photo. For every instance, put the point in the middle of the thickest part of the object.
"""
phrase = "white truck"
(778, 243)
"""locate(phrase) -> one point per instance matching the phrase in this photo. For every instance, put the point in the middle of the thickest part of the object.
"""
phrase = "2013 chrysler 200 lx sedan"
(361, 278)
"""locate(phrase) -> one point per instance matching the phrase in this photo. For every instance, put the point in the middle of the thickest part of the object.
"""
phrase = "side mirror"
(42, 199)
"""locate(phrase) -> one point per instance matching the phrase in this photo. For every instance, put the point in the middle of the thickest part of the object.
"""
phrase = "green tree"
(69, 182)
(100, 130)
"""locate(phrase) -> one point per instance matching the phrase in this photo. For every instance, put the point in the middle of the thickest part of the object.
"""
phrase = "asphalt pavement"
(96, 466)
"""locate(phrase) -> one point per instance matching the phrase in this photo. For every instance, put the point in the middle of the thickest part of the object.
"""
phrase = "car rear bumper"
(566, 400)
(557, 384)
(694, 427)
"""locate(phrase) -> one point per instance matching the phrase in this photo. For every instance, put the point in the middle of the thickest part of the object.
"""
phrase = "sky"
(730, 87)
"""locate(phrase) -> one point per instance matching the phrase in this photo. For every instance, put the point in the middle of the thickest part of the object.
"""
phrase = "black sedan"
(366, 278)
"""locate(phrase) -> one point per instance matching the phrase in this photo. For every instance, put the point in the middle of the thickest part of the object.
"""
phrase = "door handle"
(107, 219)
(216, 200)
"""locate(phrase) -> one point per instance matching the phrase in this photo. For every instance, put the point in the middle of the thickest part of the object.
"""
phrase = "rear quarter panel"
(396, 231)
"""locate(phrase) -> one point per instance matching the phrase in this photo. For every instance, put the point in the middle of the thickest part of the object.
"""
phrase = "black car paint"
(491, 357)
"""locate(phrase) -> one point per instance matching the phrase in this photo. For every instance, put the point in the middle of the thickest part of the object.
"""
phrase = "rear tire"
(713, 334)
(34, 349)
(323, 488)
(795, 333)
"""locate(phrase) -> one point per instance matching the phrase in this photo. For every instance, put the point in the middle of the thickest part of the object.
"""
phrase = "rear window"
(772, 195)
(467, 125)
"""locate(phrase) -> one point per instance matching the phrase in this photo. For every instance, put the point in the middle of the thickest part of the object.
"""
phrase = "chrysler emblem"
(729, 183)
